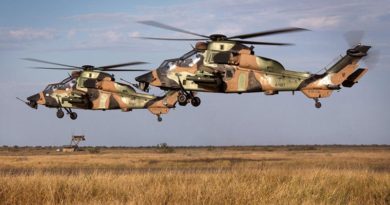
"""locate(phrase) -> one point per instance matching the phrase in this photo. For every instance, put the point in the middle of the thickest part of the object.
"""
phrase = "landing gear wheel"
(60, 113)
(318, 105)
(195, 101)
(159, 118)
(73, 115)
(182, 99)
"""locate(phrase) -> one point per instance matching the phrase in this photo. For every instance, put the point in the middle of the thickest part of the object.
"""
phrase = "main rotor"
(222, 37)
(87, 67)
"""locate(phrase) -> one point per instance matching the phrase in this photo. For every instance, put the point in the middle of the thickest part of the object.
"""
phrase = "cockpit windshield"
(189, 59)
(168, 64)
(186, 60)
(65, 84)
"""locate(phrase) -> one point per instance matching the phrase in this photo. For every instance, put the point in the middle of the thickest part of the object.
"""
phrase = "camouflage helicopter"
(90, 87)
(224, 64)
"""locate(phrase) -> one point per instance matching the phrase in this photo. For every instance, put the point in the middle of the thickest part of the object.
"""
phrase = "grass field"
(207, 175)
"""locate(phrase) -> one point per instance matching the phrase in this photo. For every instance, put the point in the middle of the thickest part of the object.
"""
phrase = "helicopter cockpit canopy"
(187, 60)
(65, 84)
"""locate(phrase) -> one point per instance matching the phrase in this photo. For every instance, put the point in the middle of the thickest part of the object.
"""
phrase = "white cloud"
(133, 34)
(122, 17)
(116, 29)
(112, 36)
(20, 38)
(321, 22)
(26, 34)
(71, 33)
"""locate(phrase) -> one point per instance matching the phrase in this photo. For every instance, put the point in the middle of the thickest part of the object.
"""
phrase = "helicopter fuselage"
(98, 91)
(230, 67)
(224, 67)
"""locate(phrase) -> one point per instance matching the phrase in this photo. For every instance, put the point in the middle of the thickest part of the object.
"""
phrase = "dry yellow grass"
(324, 175)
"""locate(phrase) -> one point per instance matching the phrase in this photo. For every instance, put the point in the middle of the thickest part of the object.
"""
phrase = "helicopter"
(91, 88)
(222, 64)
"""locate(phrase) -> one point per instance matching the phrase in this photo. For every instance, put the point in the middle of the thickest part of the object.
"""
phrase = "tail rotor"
(354, 38)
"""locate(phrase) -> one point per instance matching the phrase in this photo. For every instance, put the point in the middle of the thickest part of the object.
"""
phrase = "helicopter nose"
(33, 101)
(37, 99)
(145, 78)
(34, 98)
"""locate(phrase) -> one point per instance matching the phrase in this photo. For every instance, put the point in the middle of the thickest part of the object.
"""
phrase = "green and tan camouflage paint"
(98, 91)
(243, 72)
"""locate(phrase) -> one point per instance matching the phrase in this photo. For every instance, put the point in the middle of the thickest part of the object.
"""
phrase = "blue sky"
(102, 32)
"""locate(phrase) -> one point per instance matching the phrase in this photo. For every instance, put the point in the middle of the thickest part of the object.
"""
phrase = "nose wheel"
(317, 103)
(60, 113)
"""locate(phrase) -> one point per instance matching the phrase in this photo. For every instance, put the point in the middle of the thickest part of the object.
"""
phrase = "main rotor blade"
(167, 27)
(175, 39)
(263, 43)
(48, 62)
(270, 32)
(108, 67)
(46, 68)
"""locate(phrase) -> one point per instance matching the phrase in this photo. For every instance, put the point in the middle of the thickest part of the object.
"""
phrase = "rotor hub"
(88, 67)
(218, 37)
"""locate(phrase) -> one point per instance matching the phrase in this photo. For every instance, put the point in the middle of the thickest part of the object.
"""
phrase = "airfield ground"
(207, 175)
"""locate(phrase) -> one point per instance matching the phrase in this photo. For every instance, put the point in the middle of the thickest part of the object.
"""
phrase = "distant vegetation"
(198, 175)
(93, 150)
(164, 148)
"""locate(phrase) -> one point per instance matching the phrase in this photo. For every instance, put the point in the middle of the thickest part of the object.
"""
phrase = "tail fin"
(343, 72)
(352, 58)
(346, 66)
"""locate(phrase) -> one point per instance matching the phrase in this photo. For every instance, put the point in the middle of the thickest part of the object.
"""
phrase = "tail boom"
(161, 105)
